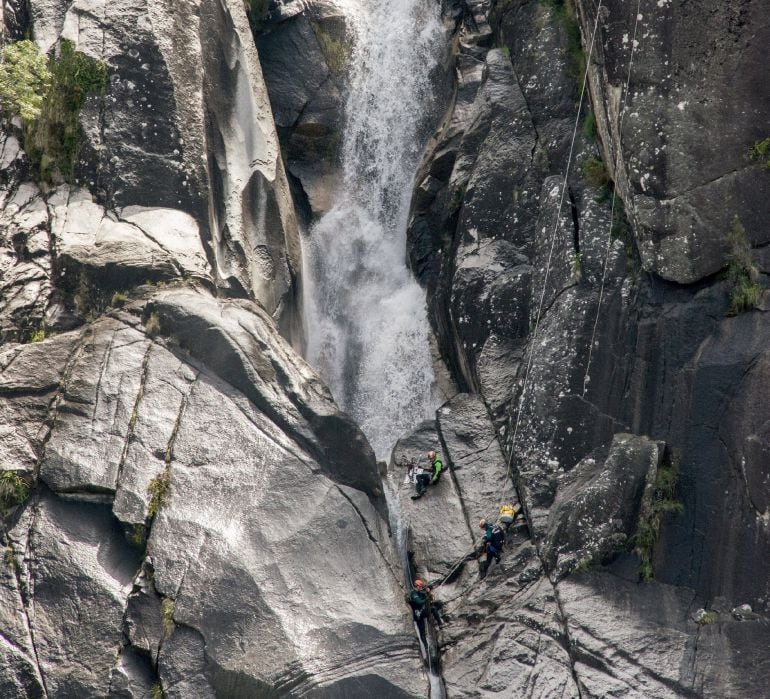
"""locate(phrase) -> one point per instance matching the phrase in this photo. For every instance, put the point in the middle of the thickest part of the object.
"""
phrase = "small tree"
(24, 80)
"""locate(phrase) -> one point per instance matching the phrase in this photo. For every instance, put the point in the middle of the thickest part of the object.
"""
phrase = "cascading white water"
(366, 317)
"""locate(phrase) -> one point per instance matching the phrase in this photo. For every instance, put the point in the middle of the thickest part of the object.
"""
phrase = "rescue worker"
(436, 467)
(422, 603)
(492, 545)
(427, 476)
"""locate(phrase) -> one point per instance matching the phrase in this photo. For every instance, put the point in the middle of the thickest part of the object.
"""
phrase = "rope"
(586, 377)
(553, 244)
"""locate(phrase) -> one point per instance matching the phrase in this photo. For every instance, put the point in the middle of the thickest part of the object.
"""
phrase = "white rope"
(616, 159)
(533, 342)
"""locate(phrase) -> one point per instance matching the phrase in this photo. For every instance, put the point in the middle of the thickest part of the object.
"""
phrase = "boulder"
(598, 504)
(255, 526)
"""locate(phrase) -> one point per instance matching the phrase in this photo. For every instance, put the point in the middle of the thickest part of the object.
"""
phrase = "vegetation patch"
(595, 173)
(589, 126)
(336, 49)
(563, 11)
(119, 299)
(53, 139)
(707, 618)
(577, 266)
(663, 502)
(156, 691)
(167, 615)
(159, 489)
(458, 195)
(152, 326)
(24, 80)
(13, 489)
(761, 151)
(742, 274)
(37, 335)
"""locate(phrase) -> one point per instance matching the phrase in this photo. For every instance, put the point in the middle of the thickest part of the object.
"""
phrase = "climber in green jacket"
(435, 462)
(427, 476)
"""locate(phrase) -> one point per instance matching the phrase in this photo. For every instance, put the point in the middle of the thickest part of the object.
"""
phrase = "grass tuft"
(741, 272)
(152, 326)
(159, 489)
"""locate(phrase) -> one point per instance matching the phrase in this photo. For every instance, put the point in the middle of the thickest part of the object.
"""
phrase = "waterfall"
(367, 327)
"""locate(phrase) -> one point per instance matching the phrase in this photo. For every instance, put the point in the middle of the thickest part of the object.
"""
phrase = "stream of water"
(367, 327)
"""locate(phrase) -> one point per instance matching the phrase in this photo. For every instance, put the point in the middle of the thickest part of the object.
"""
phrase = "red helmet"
(483, 523)
(419, 583)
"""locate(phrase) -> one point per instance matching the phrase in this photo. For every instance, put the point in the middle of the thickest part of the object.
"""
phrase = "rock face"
(202, 520)
(263, 523)
(187, 129)
(553, 302)
(304, 49)
(657, 107)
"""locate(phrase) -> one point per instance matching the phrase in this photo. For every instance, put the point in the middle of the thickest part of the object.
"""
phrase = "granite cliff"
(589, 225)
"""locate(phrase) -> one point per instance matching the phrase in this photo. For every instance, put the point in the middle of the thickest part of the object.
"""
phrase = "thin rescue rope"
(533, 342)
(616, 159)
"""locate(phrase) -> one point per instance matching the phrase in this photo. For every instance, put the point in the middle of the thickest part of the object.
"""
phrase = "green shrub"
(589, 126)
(119, 299)
(708, 618)
(158, 489)
(761, 151)
(742, 274)
(563, 11)
(13, 489)
(156, 691)
(38, 335)
(138, 535)
(53, 141)
(24, 80)
(595, 173)
(663, 502)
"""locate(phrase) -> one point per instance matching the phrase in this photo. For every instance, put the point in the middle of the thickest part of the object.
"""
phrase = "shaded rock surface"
(669, 165)
(555, 308)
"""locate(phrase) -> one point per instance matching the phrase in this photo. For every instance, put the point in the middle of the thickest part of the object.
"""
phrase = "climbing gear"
(507, 514)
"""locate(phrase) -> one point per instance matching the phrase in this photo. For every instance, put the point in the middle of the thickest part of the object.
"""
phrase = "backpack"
(498, 537)
(507, 514)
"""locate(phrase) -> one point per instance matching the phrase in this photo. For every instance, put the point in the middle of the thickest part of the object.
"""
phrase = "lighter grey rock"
(169, 135)
(78, 572)
(284, 574)
(599, 503)
(474, 458)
